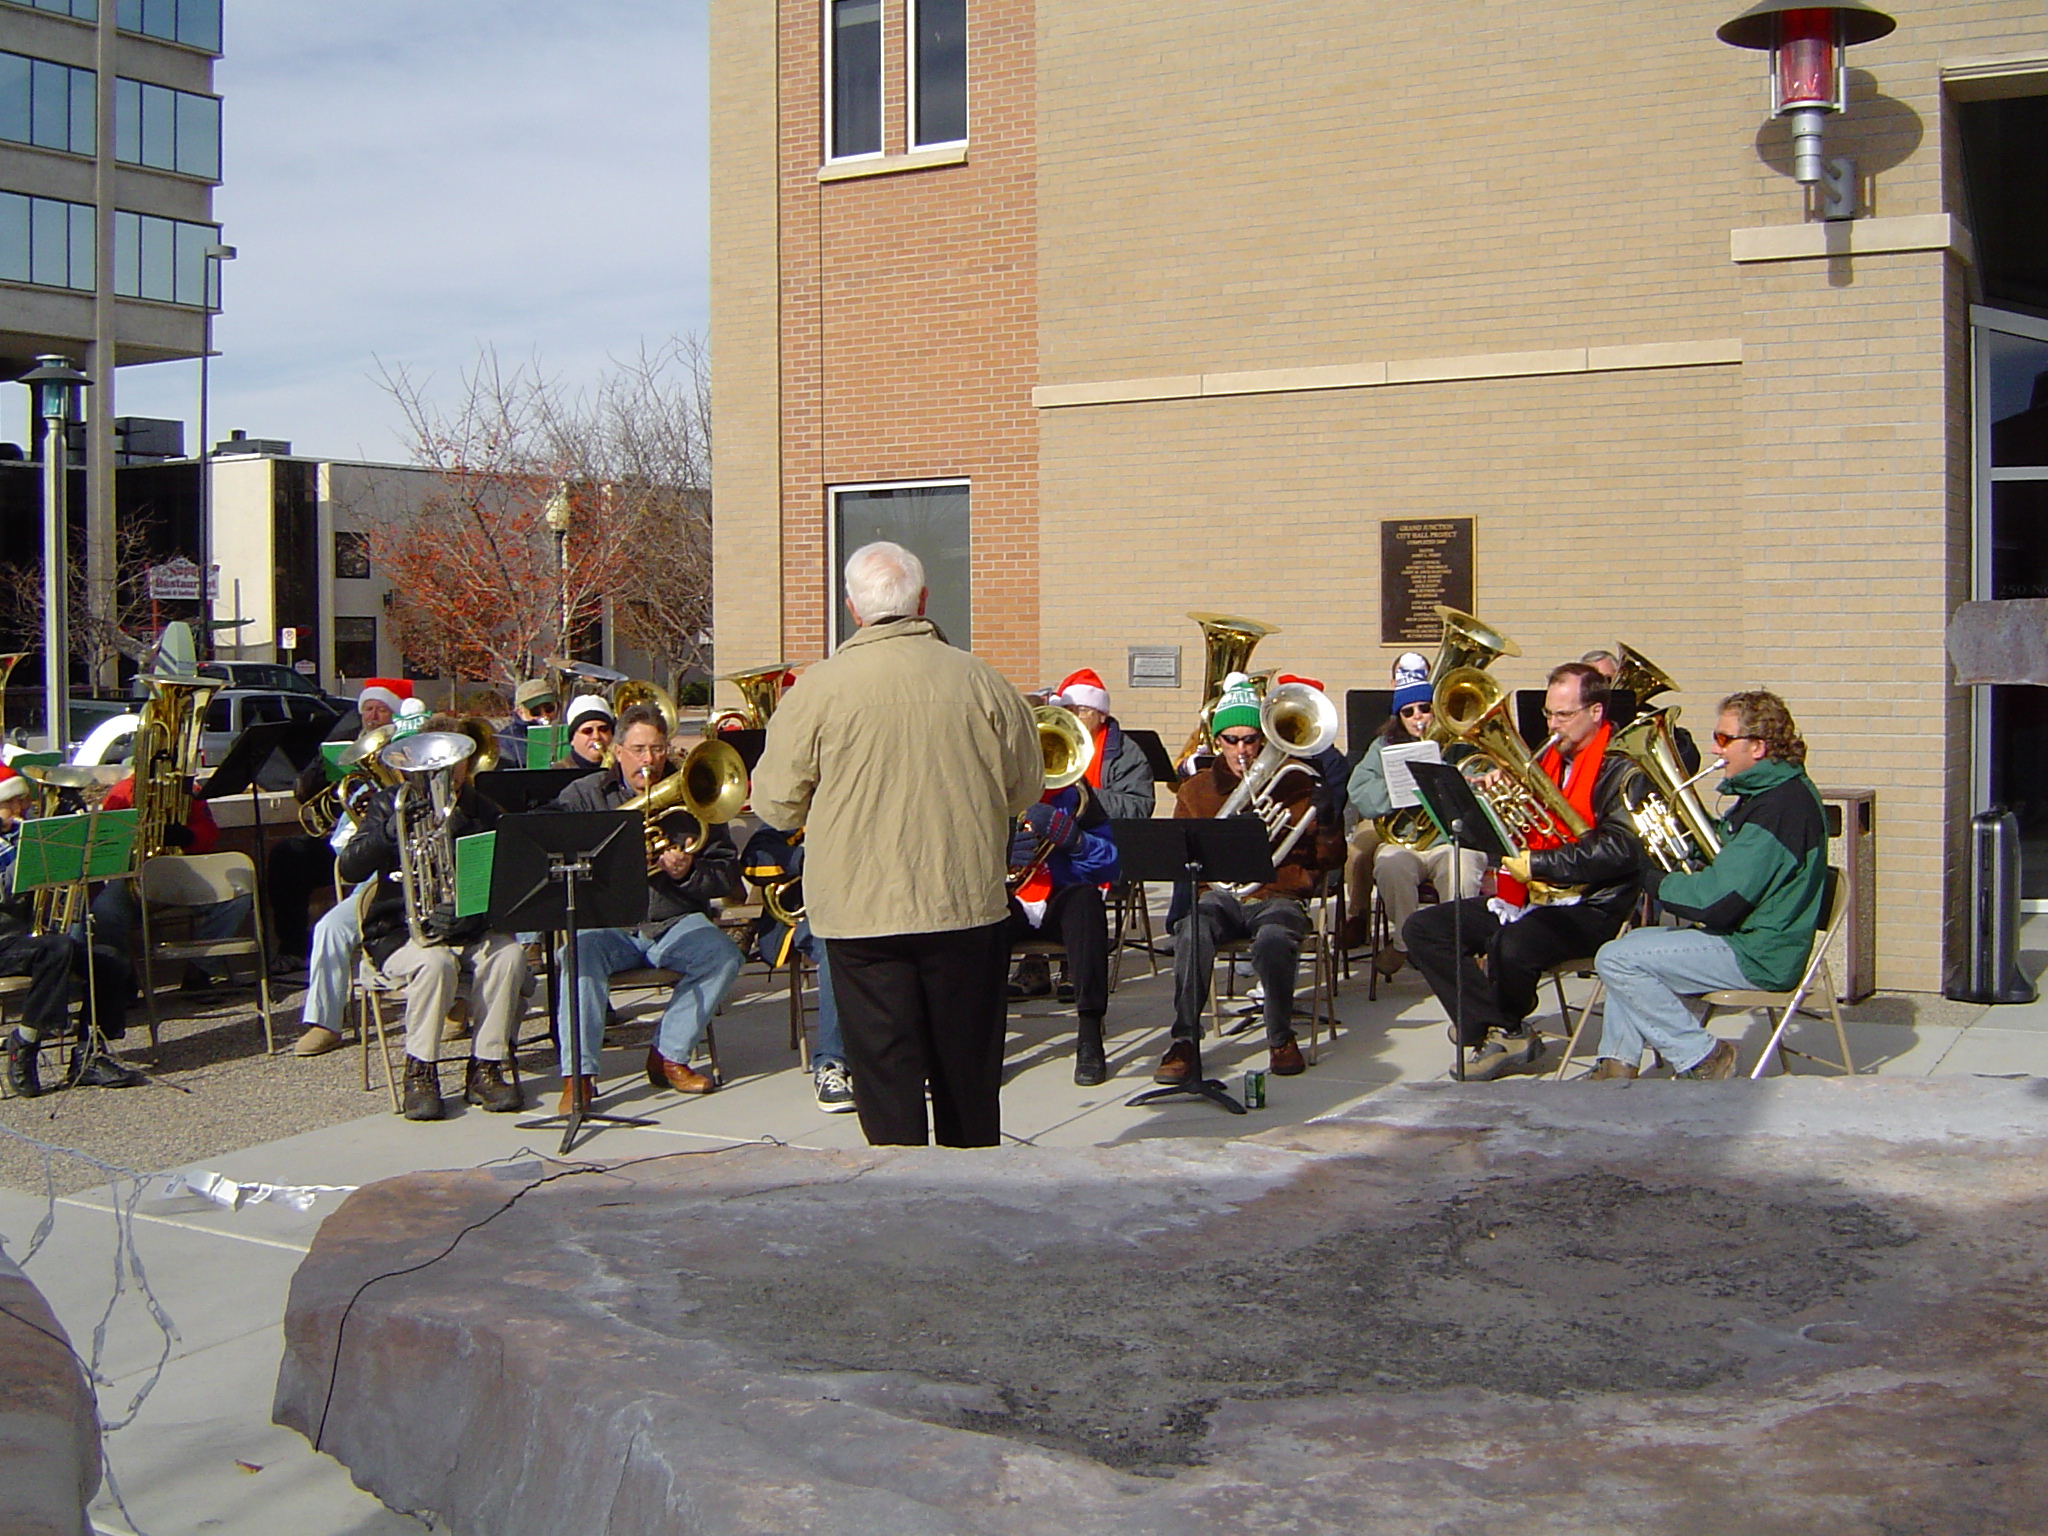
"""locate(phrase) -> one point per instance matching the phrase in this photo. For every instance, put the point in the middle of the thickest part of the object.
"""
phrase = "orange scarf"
(1576, 779)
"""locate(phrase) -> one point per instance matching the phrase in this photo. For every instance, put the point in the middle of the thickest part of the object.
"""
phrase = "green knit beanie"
(1238, 709)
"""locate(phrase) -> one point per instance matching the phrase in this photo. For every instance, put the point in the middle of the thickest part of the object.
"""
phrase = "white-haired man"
(905, 761)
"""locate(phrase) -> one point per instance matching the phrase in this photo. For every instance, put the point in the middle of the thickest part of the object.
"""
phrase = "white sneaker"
(834, 1088)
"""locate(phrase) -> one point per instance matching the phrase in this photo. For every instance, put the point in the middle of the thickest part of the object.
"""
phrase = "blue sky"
(408, 180)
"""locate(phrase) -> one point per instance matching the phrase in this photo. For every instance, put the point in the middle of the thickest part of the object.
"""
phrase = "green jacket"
(1763, 894)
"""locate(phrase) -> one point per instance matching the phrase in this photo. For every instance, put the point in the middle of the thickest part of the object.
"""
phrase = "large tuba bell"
(1668, 814)
(761, 688)
(637, 690)
(1642, 677)
(1228, 642)
(166, 754)
(1298, 722)
(1466, 642)
(1067, 749)
(1474, 708)
(711, 785)
(425, 763)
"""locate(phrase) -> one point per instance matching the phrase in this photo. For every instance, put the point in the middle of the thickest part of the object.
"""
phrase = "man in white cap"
(590, 723)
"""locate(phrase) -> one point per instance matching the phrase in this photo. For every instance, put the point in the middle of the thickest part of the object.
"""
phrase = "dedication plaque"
(1423, 562)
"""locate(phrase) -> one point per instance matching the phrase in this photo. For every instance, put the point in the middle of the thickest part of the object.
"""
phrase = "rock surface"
(1658, 1307)
(49, 1423)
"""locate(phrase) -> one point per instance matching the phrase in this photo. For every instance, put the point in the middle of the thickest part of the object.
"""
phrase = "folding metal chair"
(1834, 907)
(172, 885)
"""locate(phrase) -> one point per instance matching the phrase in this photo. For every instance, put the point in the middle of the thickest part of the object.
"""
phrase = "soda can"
(1255, 1089)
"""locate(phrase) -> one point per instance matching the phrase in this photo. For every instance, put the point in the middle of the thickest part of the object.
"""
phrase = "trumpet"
(711, 785)
(1298, 722)
(1067, 749)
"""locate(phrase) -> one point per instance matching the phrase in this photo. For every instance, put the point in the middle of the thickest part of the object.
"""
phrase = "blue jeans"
(706, 960)
(336, 938)
(828, 1047)
(1649, 974)
(114, 913)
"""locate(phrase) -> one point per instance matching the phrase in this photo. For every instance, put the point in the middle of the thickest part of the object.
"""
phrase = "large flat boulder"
(1658, 1307)
(49, 1423)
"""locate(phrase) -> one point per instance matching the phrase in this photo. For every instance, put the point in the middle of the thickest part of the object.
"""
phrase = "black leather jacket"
(1608, 860)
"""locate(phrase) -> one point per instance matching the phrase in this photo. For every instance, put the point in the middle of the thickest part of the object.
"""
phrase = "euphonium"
(711, 785)
(761, 688)
(1067, 749)
(361, 773)
(1227, 642)
(1298, 722)
(166, 754)
(1466, 642)
(426, 762)
(1474, 708)
(1668, 814)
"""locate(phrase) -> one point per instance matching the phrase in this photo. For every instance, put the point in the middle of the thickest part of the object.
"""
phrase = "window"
(47, 105)
(45, 241)
(80, 10)
(165, 260)
(166, 129)
(355, 647)
(930, 520)
(938, 72)
(351, 556)
(195, 23)
(853, 75)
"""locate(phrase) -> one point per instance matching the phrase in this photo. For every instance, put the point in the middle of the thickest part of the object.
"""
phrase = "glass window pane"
(931, 522)
(128, 121)
(157, 255)
(86, 10)
(84, 248)
(127, 254)
(85, 126)
(13, 237)
(198, 135)
(160, 17)
(14, 94)
(49, 242)
(856, 77)
(193, 239)
(50, 99)
(159, 123)
(941, 71)
(199, 24)
(2019, 398)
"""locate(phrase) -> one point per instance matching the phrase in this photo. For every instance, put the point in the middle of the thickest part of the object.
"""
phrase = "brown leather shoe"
(1609, 1071)
(1716, 1066)
(1388, 961)
(676, 1075)
(1177, 1065)
(1356, 932)
(1284, 1059)
(577, 1088)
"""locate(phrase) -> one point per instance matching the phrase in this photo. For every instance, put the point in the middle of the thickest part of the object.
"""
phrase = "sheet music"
(1400, 782)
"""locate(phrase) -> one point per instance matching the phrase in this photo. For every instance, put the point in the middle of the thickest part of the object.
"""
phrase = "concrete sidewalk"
(202, 1454)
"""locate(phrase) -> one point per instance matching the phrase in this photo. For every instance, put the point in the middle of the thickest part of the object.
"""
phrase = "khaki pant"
(1399, 872)
(1358, 864)
(497, 992)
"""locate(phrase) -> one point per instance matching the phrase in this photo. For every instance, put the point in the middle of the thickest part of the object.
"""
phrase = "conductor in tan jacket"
(906, 761)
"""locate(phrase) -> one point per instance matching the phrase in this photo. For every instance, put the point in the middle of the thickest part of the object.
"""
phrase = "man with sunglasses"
(1757, 904)
(1521, 938)
(534, 702)
(1273, 917)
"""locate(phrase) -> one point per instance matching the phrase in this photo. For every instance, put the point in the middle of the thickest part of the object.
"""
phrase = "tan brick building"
(1180, 304)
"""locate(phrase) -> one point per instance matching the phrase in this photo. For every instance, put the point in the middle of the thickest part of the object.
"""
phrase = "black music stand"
(1231, 851)
(514, 790)
(298, 740)
(1456, 810)
(750, 744)
(569, 870)
(1156, 757)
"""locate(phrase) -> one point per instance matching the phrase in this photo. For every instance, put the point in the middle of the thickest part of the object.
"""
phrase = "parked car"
(256, 676)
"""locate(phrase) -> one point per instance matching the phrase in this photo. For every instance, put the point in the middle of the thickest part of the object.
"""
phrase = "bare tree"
(95, 639)
(477, 590)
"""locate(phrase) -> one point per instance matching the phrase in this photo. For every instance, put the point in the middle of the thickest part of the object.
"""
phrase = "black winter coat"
(374, 851)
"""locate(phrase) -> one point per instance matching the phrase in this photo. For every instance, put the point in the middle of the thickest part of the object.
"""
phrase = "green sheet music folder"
(330, 753)
(546, 745)
(56, 850)
(474, 856)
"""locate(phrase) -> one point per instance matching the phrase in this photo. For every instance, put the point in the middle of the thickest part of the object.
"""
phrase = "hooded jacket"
(1763, 893)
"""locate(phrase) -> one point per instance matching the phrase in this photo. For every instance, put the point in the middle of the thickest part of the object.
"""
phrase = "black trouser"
(50, 961)
(1076, 916)
(298, 867)
(918, 1008)
(1274, 924)
(1517, 955)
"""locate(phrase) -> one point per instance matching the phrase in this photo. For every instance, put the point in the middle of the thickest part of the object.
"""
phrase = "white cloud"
(410, 182)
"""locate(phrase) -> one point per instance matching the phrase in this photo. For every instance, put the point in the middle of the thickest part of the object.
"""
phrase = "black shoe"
(100, 1070)
(422, 1090)
(1033, 979)
(22, 1077)
(1091, 1065)
(197, 980)
(484, 1085)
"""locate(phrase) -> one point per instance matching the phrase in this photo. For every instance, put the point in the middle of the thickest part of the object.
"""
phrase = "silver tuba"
(425, 763)
(1298, 722)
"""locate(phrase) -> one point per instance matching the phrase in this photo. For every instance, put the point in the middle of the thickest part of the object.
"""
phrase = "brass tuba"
(1466, 642)
(761, 688)
(636, 690)
(1474, 708)
(425, 763)
(1642, 677)
(1298, 722)
(361, 772)
(711, 785)
(1067, 750)
(1228, 642)
(1668, 814)
(166, 754)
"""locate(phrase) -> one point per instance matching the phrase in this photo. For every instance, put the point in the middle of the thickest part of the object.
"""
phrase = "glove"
(178, 835)
(1056, 823)
(1023, 846)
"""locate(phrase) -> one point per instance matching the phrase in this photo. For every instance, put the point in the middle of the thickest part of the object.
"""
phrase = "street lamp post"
(215, 255)
(56, 386)
(559, 513)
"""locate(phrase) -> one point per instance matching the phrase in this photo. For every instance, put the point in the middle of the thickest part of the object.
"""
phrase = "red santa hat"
(1084, 689)
(1289, 677)
(388, 691)
(12, 784)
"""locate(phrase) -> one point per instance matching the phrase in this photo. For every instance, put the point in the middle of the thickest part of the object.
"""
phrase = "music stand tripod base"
(1194, 1088)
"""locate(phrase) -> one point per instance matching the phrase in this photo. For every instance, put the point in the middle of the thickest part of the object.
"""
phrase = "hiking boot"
(1285, 1059)
(1177, 1065)
(422, 1090)
(22, 1078)
(1716, 1066)
(1502, 1055)
(101, 1069)
(833, 1087)
(1611, 1071)
(484, 1085)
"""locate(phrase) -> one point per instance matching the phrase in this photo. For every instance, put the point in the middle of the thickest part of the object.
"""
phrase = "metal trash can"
(1990, 968)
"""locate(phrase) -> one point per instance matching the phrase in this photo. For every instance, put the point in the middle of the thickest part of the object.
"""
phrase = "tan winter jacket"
(904, 761)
